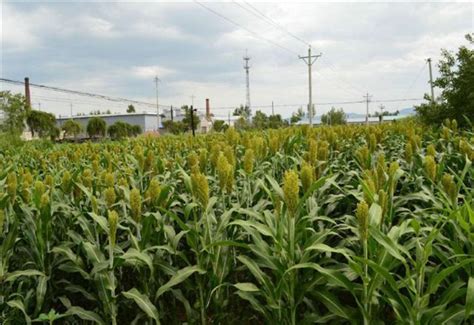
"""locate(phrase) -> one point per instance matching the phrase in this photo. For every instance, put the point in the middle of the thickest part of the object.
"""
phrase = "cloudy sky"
(116, 49)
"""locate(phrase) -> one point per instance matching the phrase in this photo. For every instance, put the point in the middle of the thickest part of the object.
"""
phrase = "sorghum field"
(347, 224)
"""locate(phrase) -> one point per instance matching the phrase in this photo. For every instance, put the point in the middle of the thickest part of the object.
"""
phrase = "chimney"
(208, 109)
(27, 92)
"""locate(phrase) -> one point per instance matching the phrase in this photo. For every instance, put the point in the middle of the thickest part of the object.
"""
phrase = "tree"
(72, 128)
(186, 121)
(174, 127)
(457, 83)
(260, 120)
(242, 111)
(276, 121)
(96, 127)
(334, 117)
(131, 109)
(14, 110)
(219, 126)
(298, 116)
(241, 124)
(41, 123)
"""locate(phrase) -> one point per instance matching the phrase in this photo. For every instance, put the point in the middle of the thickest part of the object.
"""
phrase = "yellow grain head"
(87, 178)
(312, 154)
(109, 179)
(113, 224)
(149, 161)
(431, 150)
(109, 196)
(66, 182)
(450, 187)
(248, 161)
(291, 191)
(307, 176)
(12, 185)
(94, 205)
(95, 166)
(49, 181)
(193, 162)
(27, 178)
(446, 135)
(153, 191)
(430, 167)
(372, 142)
(362, 215)
(40, 188)
(136, 204)
(200, 188)
(323, 151)
(381, 168)
(44, 201)
(203, 159)
(362, 155)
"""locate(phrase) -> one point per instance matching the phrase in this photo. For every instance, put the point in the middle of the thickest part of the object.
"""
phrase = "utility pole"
(27, 92)
(158, 117)
(273, 111)
(247, 68)
(367, 100)
(171, 111)
(431, 81)
(70, 106)
(192, 119)
(382, 107)
(228, 118)
(309, 60)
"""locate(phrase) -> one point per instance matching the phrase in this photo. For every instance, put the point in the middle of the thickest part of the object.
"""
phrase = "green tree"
(40, 123)
(71, 128)
(260, 120)
(334, 117)
(131, 109)
(241, 124)
(242, 111)
(14, 110)
(297, 116)
(219, 126)
(276, 121)
(186, 121)
(96, 127)
(456, 81)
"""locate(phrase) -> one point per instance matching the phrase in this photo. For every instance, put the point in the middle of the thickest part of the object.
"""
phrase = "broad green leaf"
(144, 303)
(86, 315)
(246, 286)
(179, 277)
(16, 274)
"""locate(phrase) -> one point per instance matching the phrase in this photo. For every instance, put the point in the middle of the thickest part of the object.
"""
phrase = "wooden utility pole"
(431, 81)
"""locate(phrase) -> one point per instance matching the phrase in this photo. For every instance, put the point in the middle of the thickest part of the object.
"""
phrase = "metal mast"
(247, 68)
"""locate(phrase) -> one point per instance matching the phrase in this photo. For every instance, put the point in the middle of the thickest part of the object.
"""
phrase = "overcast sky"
(116, 49)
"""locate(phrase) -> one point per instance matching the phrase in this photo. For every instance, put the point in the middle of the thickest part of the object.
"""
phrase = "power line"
(269, 20)
(81, 93)
(244, 28)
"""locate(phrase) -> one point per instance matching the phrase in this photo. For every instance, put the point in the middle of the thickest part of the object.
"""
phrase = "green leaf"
(179, 277)
(18, 304)
(16, 274)
(433, 285)
(469, 297)
(132, 256)
(101, 221)
(85, 314)
(247, 287)
(144, 303)
(332, 303)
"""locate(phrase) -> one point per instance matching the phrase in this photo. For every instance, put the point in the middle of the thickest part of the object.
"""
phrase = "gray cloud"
(114, 48)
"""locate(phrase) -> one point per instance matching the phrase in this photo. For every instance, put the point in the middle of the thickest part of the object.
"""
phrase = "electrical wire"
(244, 28)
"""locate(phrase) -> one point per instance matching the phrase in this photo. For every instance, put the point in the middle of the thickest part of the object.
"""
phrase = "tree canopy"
(121, 129)
(96, 127)
(41, 123)
(334, 117)
(71, 128)
(456, 82)
(14, 110)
